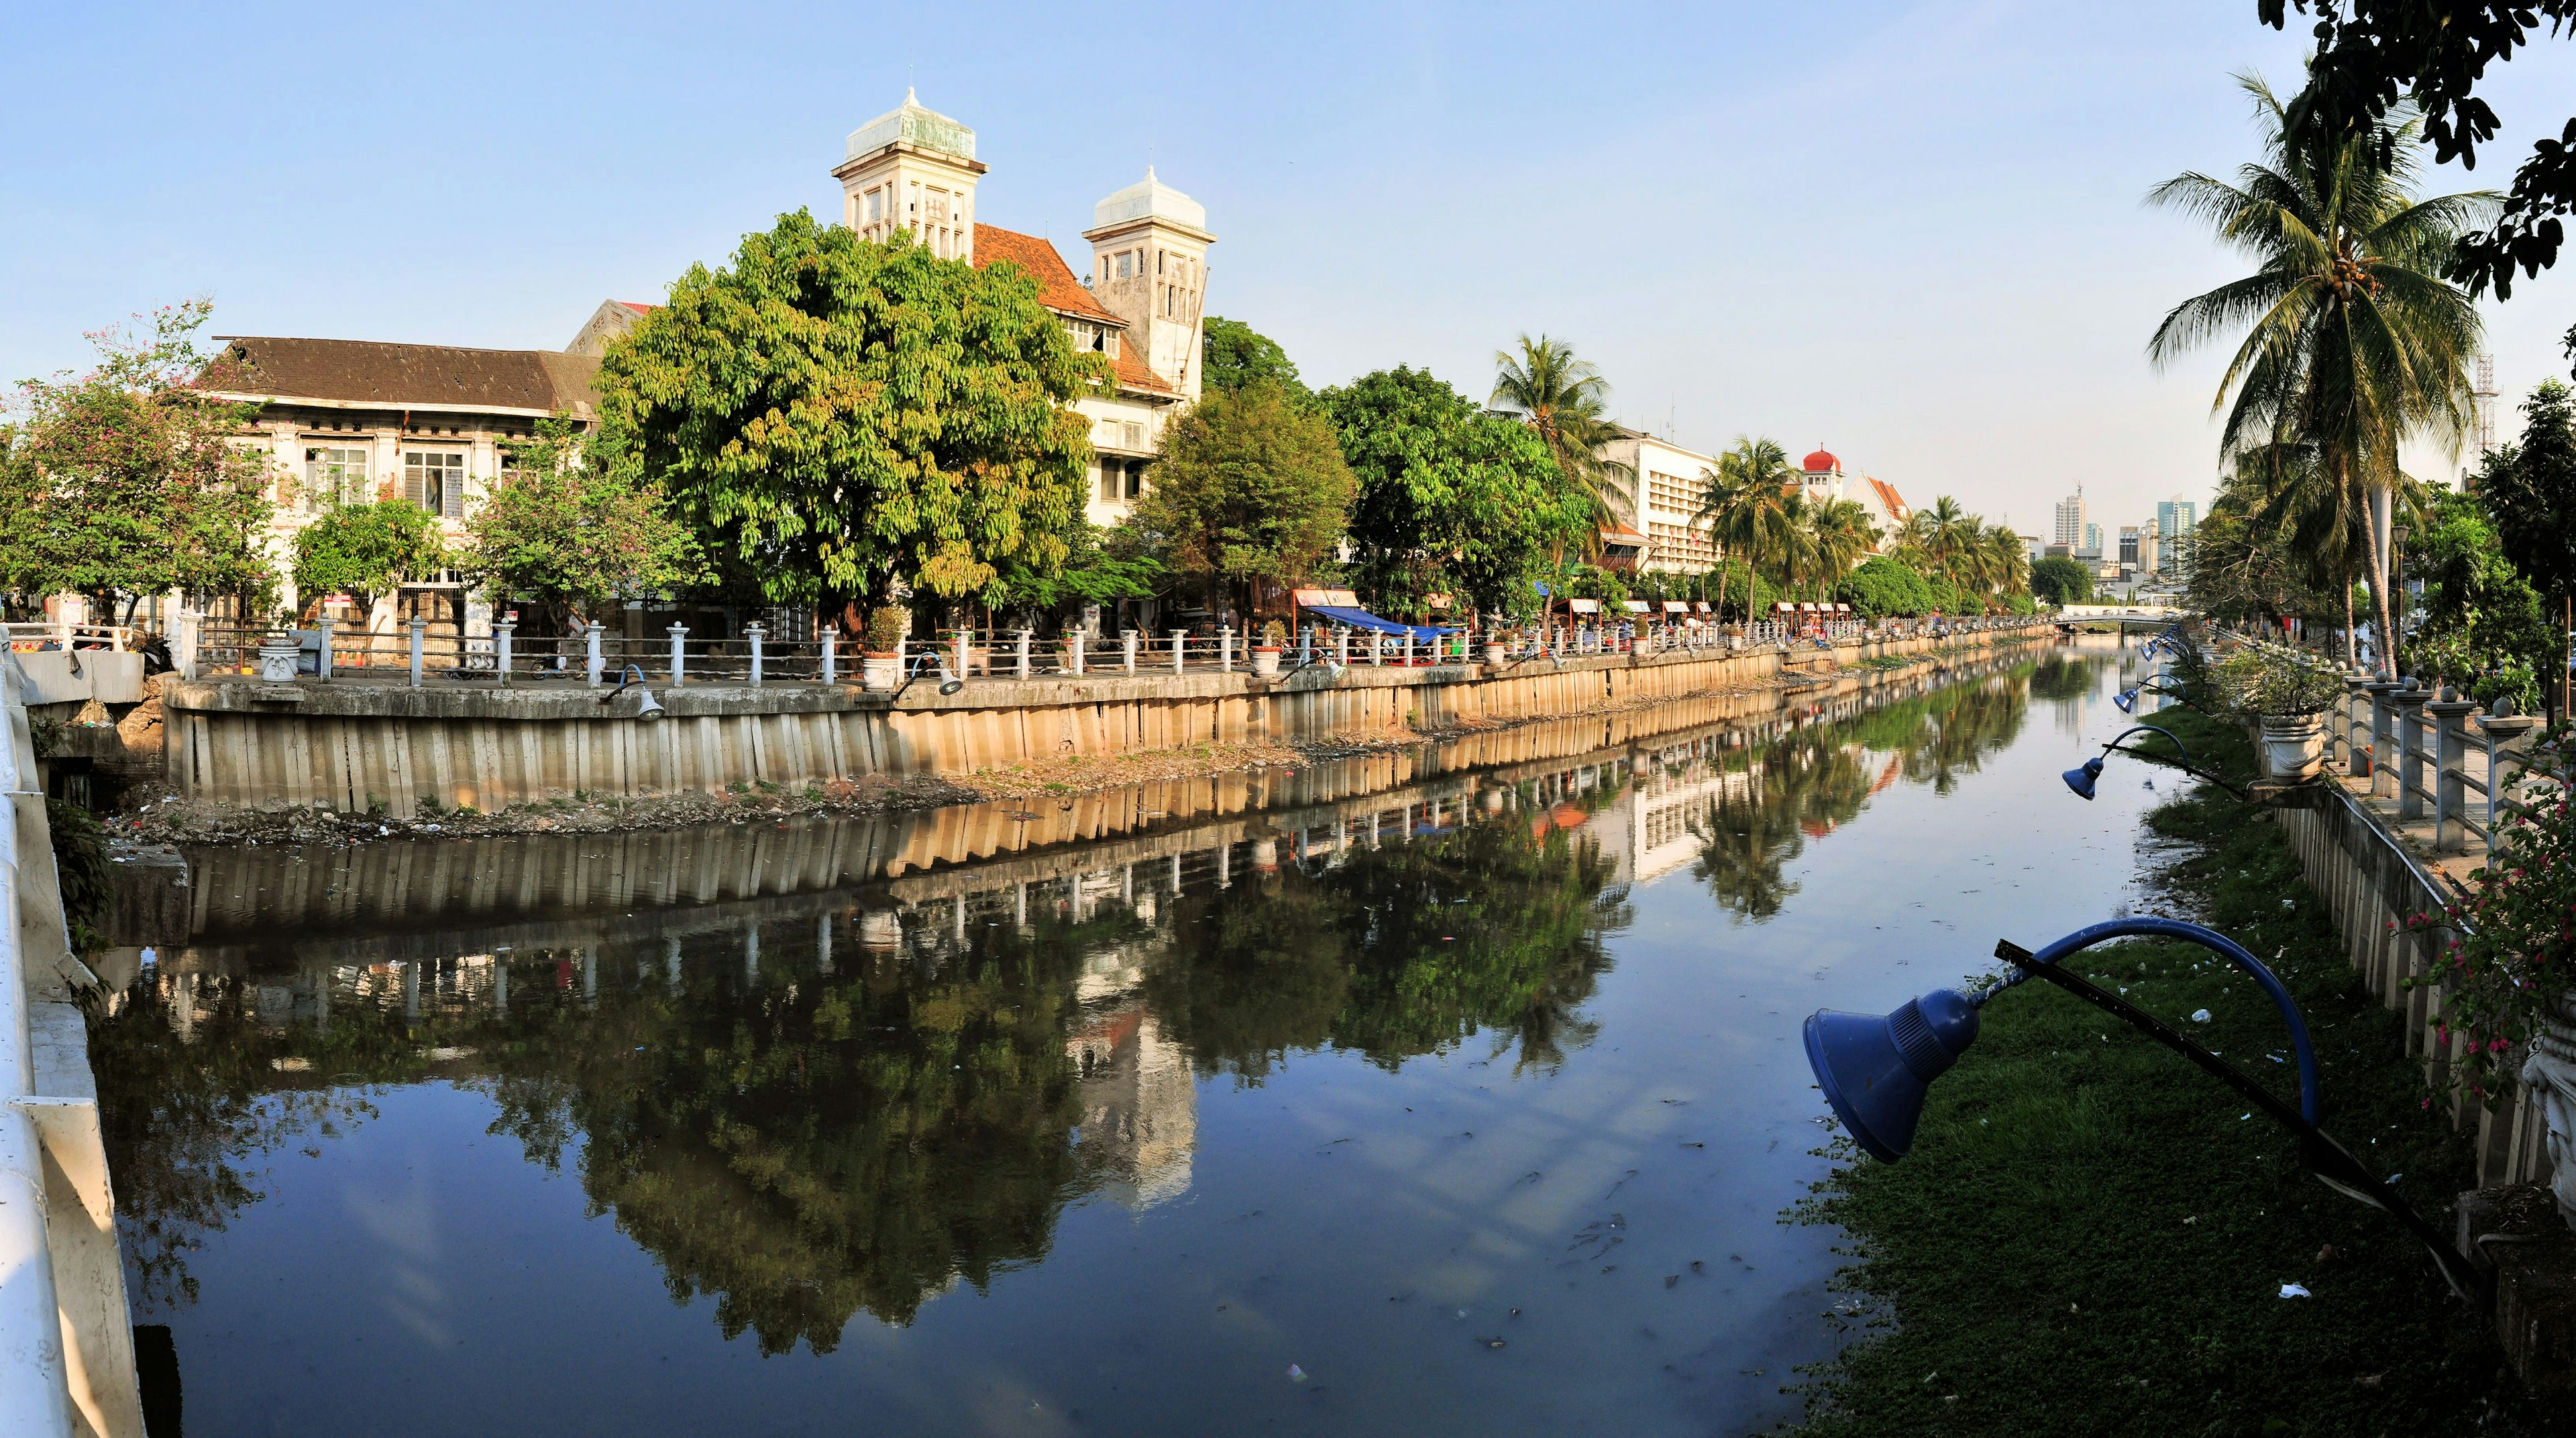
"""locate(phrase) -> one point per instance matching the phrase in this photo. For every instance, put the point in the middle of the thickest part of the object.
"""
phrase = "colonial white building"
(1823, 476)
(914, 169)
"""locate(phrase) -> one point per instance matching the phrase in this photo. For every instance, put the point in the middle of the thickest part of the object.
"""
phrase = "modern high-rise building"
(2092, 545)
(2070, 521)
(2129, 545)
(2175, 520)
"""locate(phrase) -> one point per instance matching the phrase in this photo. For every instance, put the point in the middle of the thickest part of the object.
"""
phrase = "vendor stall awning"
(1362, 619)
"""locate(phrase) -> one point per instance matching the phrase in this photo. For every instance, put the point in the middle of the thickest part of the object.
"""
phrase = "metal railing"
(593, 656)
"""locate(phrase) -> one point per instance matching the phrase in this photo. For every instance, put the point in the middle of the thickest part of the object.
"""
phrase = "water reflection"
(839, 1068)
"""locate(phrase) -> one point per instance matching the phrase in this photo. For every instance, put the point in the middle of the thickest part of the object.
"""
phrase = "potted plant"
(2289, 694)
(1265, 652)
(881, 648)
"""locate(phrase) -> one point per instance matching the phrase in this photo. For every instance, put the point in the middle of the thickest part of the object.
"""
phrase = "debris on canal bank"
(2088, 1239)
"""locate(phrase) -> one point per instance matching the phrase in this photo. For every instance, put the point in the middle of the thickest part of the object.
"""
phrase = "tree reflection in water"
(1809, 781)
(799, 1139)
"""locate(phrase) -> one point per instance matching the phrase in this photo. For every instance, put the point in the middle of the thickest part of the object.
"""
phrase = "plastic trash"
(2200, 1016)
(2295, 1290)
(1296, 1374)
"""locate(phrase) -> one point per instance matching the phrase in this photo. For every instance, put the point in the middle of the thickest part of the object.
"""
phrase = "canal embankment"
(250, 763)
(2091, 1236)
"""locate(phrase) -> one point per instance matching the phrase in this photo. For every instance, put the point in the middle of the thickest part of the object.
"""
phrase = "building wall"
(1658, 499)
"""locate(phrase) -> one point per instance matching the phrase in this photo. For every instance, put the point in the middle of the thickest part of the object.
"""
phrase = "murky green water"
(1403, 1095)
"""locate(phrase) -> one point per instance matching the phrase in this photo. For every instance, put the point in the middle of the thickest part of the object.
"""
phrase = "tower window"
(1126, 263)
(876, 205)
(1158, 262)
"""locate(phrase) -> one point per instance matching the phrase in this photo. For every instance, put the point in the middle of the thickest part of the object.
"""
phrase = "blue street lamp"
(2128, 698)
(2082, 777)
(1875, 1069)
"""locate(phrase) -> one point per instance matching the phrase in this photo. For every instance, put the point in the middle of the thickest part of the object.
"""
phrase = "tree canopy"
(1233, 354)
(1451, 499)
(1250, 486)
(2376, 59)
(838, 416)
(2061, 580)
(123, 480)
(365, 550)
(560, 525)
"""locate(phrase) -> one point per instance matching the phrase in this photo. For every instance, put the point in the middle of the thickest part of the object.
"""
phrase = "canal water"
(1450, 1091)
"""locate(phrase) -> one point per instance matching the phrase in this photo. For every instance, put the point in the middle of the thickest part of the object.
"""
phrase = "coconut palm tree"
(2353, 342)
(1939, 537)
(1567, 402)
(2007, 562)
(1839, 536)
(1744, 504)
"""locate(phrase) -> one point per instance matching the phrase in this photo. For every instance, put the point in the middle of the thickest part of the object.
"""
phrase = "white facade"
(1659, 496)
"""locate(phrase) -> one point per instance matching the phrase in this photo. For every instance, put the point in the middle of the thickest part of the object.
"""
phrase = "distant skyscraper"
(2092, 544)
(2070, 520)
(2129, 544)
(2175, 520)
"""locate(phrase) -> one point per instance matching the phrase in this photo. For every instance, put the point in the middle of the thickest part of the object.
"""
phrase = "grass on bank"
(2090, 1237)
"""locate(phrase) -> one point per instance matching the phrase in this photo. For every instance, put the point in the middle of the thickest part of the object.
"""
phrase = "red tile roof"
(1888, 496)
(639, 307)
(1058, 290)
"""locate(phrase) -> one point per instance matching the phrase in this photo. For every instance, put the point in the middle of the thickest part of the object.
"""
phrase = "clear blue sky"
(1909, 232)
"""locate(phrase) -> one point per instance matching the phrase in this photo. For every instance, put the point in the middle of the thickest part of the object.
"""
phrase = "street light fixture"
(1876, 1069)
(2083, 776)
(647, 708)
(2128, 698)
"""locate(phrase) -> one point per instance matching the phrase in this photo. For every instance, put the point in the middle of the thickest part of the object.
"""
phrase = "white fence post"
(1024, 654)
(679, 653)
(831, 655)
(420, 627)
(185, 660)
(590, 633)
(1180, 648)
(755, 632)
(501, 631)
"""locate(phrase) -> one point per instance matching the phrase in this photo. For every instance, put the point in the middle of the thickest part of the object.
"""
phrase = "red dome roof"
(1822, 462)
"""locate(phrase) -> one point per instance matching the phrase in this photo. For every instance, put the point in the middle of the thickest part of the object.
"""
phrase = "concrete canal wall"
(356, 747)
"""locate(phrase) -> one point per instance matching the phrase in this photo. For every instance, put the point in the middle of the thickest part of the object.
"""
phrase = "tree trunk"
(2380, 581)
(2351, 654)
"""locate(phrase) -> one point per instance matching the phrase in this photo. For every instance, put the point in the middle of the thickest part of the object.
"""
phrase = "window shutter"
(452, 494)
(411, 479)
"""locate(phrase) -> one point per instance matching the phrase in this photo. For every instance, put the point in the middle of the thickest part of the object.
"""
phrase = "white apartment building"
(1656, 500)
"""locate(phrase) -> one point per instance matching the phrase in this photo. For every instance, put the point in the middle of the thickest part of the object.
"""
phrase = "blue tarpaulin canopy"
(1362, 619)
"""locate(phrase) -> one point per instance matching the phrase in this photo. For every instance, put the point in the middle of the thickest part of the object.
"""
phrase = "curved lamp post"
(948, 683)
(2128, 698)
(2083, 776)
(1875, 1069)
(646, 707)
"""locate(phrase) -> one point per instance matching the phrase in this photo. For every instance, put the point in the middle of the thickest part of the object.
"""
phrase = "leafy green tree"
(1884, 588)
(370, 549)
(561, 527)
(2529, 490)
(124, 481)
(2061, 580)
(2484, 628)
(841, 418)
(1451, 498)
(2353, 341)
(1233, 354)
(1250, 486)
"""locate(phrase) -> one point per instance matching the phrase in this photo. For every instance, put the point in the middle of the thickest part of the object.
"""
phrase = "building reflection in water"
(843, 1080)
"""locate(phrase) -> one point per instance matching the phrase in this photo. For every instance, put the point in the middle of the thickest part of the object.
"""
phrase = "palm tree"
(1839, 536)
(2007, 563)
(1567, 401)
(1745, 504)
(2353, 341)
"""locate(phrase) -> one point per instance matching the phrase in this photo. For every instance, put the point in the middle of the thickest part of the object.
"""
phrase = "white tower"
(1149, 245)
(913, 169)
(2482, 438)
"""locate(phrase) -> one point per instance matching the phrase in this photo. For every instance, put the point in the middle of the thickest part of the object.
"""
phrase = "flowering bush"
(2514, 951)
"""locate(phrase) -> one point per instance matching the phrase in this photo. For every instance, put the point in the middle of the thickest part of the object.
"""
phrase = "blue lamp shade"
(2081, 777)
(2128, 700)
(1874, 1068)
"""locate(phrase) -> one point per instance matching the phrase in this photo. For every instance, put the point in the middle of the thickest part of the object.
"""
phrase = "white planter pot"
(1494, 655)
(2294, 746)
(277, 663)
(1265, 662)
(880, 673)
